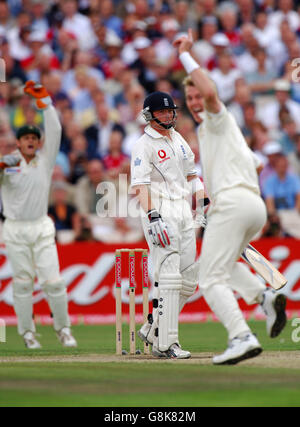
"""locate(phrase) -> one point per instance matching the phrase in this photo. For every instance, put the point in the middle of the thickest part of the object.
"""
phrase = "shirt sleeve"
(53, 132)
(141, 164)
(215, 122)
(191, 161)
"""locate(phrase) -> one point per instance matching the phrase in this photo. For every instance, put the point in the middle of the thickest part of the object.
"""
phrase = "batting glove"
(200, 218)
(9, 160)
(158, 229)
(39, 93)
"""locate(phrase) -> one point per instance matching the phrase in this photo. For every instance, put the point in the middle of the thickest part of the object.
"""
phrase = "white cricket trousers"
(32, 252)
(169, 264)
(237, 215)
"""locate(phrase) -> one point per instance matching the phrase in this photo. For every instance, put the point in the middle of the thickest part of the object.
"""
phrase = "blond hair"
(188, 81)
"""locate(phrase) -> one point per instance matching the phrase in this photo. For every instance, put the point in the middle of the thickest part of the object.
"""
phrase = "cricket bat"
(264, 268)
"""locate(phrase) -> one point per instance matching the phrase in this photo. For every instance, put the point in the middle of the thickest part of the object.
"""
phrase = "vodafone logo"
(162, 154)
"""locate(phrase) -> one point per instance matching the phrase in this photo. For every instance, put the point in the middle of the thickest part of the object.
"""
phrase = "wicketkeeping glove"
(9, 160)
(39, 93)
(158, 229)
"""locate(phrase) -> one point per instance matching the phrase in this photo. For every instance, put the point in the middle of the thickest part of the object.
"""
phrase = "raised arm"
(51, 121)
(202, 81)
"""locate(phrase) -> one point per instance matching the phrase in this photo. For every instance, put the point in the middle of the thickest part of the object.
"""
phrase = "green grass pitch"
(93, 376)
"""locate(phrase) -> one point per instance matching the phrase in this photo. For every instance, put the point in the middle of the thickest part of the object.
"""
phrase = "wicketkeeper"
(28, 232)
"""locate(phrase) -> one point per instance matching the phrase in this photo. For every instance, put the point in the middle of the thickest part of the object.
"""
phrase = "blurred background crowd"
(100, 58)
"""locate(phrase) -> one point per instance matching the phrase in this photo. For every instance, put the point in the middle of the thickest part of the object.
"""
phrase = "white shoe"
(239, 349)
(274, 307)
(144, 332)
(31, 342)
(174, 352)
(66, 338)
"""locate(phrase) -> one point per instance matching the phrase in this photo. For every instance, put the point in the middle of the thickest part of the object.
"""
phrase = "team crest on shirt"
(137, 162)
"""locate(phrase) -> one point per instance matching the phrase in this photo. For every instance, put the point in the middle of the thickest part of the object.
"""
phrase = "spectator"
(269, 114)
(98, 135)
(116, 162)
(288, 135)
(272, 151)
(184, 16)
(282, 195)
(6, 21)
(86, 198)
(78, 24)
(142, 66)
(203, 49)
(265, 33)
(249, 120)
(38, 9)
(42, 58)
(273, 227)
(118, 230)
(225, 77)
(229, 23)
(109, 19)
(18, 113)
(13, 67)
(261, 81)
(245, 60)
(78, 158)
(220, 44)
(242, 97)
(164, 48)
(285, 12)
(66, 219)
(59, 176)
(18, 37)
(294, 156)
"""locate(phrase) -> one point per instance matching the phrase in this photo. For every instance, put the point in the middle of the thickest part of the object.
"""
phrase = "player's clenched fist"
(39, 93)
(158, 229)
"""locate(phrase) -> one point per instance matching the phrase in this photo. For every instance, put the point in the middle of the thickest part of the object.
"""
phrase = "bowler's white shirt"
(25, 189)
(227, 161)
(162, 163)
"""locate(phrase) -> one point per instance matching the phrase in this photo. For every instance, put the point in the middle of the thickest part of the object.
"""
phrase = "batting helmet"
(159, 101)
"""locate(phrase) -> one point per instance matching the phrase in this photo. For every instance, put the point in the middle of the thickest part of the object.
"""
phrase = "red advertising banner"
(88, 270)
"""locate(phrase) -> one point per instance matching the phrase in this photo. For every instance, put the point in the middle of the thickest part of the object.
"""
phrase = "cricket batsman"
(163, 174)
(237, 213)
(28, 232)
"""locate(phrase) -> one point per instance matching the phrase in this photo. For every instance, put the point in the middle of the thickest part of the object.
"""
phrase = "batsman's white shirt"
(163, 163)
(25, 189)
(227, 161)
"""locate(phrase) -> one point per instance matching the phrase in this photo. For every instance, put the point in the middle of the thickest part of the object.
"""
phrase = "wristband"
(153, 215)
(196, 185)
(188, 62)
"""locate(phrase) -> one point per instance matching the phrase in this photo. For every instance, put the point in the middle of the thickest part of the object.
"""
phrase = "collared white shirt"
(162, 163)
(25, 188)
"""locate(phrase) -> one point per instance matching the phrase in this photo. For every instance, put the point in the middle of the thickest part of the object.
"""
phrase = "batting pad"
(58, 302)
(168, 309)
(190, 279)
(23, 305)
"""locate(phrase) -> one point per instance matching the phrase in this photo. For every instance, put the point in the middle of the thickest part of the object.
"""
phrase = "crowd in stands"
(100, 58)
